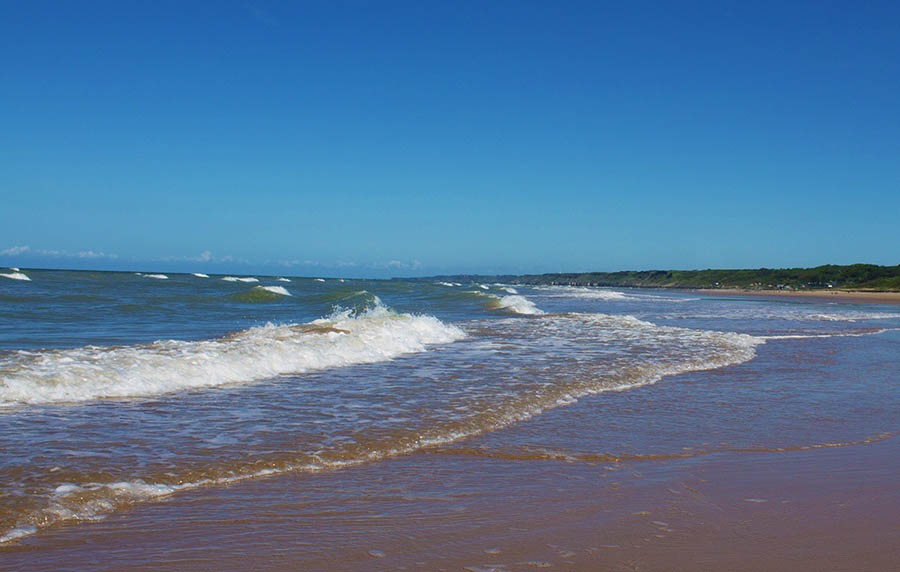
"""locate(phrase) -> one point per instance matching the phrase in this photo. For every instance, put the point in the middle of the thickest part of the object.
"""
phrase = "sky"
(351, 138)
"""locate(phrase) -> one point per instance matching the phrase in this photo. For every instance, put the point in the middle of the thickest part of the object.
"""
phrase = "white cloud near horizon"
(84, 254)
(400, 265)
(207, 257)
(14, 250)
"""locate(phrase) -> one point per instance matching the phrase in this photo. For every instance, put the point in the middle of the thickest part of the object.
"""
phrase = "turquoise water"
(124, 388)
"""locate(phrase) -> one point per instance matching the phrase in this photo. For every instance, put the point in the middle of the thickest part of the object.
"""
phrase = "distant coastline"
(865, 280)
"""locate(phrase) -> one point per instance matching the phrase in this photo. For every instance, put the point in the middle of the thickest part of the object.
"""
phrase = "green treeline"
(854, 276)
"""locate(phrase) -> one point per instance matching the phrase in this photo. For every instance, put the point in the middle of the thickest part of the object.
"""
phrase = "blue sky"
(402, 138)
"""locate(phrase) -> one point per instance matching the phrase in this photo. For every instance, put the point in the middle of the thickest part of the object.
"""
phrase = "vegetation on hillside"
(851, 277)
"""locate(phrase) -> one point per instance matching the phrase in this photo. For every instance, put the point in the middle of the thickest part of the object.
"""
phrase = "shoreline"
(810, 509)
(864, 297)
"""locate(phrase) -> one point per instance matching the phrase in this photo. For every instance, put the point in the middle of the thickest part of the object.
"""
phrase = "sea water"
(118, 389)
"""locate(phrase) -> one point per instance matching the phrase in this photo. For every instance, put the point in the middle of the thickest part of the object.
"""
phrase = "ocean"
(125, 394)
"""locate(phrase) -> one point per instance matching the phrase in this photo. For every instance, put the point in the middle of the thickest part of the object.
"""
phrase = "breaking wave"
(581, 292)
(92, 372)
(518, 305)
(280, 290)
(375, 336)
(16, 276)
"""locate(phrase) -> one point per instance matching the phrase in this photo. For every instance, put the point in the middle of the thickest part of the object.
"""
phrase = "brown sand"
(823, 510)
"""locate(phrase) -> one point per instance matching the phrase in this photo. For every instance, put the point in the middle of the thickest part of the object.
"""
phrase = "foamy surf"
(703, 350)
(791, 313)
(155, 276)
(239, 279)
(16, 276)
(91, 372)
(200, 275)
(871, 332)
(581, 292)
(283, 279)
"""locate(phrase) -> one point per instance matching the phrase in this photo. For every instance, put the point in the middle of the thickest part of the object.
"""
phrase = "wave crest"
(518, 305)
(16, 276)
(92, 372)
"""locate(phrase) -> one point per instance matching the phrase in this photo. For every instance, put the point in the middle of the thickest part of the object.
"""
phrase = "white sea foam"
(16, 276)
(834, 335)
(17, 532)
(200, 275)
(239, 279)
(582, 292)
(280, 290)
(283, 279)
(91, 372)
(448, 284)
(785, 312)
(709, 349)
(519, 305)
(319, 279)
(14, 269)
(853, 316)
(483, 287)
(156, 276)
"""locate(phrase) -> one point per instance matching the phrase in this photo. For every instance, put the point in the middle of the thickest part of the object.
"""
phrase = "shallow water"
(121, 389)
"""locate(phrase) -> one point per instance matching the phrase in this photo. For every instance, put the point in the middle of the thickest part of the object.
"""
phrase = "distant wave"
(581, 292)
(280, 290)
(155, 276)
(283, 279)
(513, 303)
(318, 279)
(200, 275)
(794, 313)
(16, 275)
(261, 294)
(239, 279)
(869, 332)
(518, 305)
(90, 372)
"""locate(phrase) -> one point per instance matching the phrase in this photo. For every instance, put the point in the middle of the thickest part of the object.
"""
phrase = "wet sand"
(812, 488)
(802, 511)
(833, 295)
